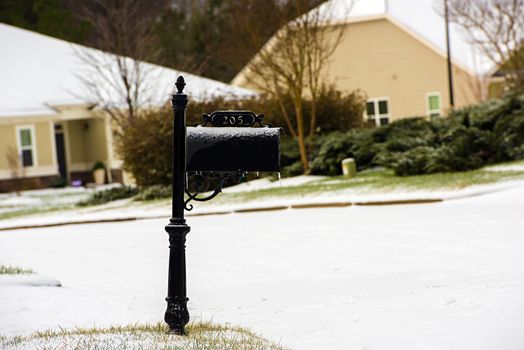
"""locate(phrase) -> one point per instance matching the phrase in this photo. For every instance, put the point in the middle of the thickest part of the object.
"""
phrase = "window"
(377, 110)
(433, 105)
(26, 141)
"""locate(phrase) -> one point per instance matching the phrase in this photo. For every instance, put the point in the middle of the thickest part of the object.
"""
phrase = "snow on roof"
(38, 70)
(420, 17)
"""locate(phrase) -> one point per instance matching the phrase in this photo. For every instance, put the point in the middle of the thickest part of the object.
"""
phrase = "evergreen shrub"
(468, 139)
(109, 195)
(334, 147)
(153, 192)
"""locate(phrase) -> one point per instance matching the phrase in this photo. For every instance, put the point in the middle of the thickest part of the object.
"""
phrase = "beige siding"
(44, 144)
(44, 147)
(44, 161)
(95, 141)
(496, 89)
(87, 141)
(7, 140)
(75, 136)
(385, 61)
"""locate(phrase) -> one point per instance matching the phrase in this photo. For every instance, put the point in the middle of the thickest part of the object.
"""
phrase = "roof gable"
(417, 18)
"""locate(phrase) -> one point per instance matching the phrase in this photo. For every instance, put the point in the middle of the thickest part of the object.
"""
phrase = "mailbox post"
(210, 157)
(176, 315)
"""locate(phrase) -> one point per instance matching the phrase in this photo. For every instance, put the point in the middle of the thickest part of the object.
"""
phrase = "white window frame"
(429, 111)
(377, 116)
(21, 148)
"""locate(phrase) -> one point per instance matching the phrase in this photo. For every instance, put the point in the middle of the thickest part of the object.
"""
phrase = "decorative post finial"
(180, 84)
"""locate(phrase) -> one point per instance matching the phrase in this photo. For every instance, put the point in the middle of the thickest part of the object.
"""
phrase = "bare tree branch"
(496, 27)
(116, 80)
(292, 62)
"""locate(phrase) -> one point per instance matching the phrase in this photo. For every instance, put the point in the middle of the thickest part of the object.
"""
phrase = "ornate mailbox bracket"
(207, 181)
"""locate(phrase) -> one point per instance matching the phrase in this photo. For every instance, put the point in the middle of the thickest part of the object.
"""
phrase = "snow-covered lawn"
(57, 206)
(436, 276)
(44, 200)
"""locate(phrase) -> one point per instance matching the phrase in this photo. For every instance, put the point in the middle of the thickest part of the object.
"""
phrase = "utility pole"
(448, 51)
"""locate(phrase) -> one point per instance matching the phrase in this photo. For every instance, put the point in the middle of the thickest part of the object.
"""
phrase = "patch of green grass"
(13, 270)
(200, 335)
(32, 210)
(381, 180)
(153, 193)
(367, 182)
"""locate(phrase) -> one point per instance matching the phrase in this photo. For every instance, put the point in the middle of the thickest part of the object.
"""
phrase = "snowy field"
(436, 276)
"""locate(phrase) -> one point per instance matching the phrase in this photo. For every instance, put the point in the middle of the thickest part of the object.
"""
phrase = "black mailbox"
(235, 149)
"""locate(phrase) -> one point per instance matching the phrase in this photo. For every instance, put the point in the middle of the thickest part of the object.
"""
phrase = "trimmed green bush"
(468, 139)
(333, 148)
(290, 157)
(58, 182)
(153, 192)
(146, 148)
(414, 161)
(109, 195)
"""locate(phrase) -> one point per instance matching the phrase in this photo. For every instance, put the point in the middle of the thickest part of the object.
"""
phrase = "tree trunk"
(286, 117)
(312, 124)
(301, 134)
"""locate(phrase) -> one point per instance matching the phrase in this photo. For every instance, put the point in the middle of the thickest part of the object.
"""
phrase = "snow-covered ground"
(24, 279)
(63, 195)
(504, 167)
(435, 276)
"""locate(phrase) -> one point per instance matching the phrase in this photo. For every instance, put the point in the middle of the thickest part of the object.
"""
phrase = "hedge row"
(469, 138)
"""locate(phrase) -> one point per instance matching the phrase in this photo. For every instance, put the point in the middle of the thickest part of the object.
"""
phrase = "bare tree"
(117, 78)
(292, 62)
(496, 27)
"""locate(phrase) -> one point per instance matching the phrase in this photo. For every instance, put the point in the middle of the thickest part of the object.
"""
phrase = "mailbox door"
(233, 149)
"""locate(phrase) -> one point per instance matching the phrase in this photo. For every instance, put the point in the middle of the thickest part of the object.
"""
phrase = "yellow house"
(402, 72)
(49, 128)
(62, 142)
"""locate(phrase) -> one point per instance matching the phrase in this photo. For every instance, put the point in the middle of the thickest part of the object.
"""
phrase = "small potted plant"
(99, 173)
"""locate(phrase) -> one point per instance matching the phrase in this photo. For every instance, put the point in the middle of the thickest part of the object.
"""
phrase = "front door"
(60, 151)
